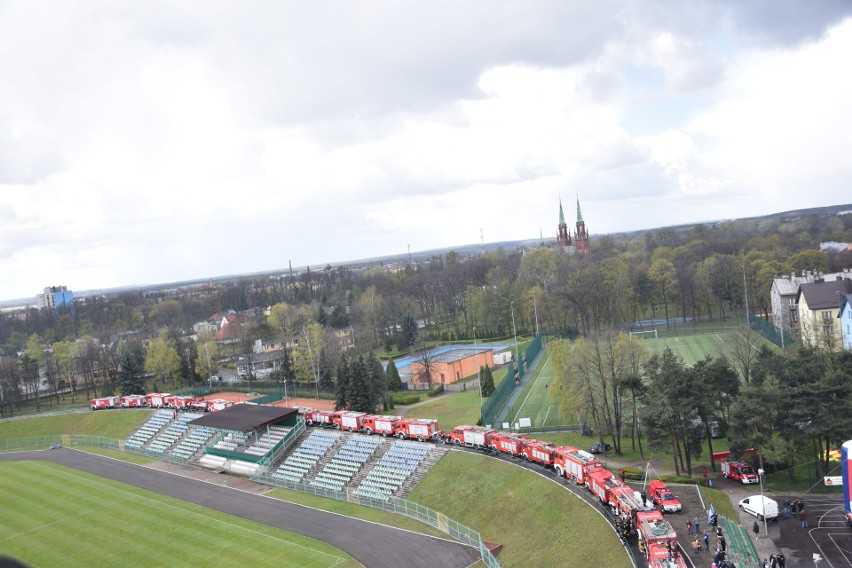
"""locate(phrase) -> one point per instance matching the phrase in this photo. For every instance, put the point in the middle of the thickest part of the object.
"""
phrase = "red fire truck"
(663, 497)
(654, 534)
(384, 425)
(181, 402)
(219, 404)
(318, 417)
(508, 443)
(199, 405)
(157, 399)
(346, 420)
(741, 471)
(420, 429)
(104, 402)
(133, 401)
(626, 501)
(574, 464)
(471, 436)
(601, 483)
(539, 452)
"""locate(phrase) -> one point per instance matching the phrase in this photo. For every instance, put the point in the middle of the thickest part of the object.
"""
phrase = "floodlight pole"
(745, 285)
(478, 374)
(514, 331)
(535, 309)
(760, 473)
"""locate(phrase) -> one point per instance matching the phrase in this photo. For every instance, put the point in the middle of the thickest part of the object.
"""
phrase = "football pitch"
(56, 516)
(540, 401)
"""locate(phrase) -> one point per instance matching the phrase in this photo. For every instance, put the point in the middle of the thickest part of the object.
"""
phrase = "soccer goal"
(641, 334)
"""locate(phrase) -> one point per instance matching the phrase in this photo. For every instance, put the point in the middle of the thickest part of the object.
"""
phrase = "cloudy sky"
(145, 142)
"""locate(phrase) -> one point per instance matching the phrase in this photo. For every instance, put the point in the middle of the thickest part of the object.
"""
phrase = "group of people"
(798, 509)
(775, 561)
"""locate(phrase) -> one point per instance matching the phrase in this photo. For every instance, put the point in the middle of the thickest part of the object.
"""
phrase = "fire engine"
(133, 401)
(157, 399)
(539, 452)
(654, 534)
(199, 405)
(574, 464)
(384, 425)
(741, 471)
(626, 501)
(601, 483)
(507, 443)
(181, 402)
(346, 420)
(318, 417)
(471, 436)
(420, 429)
(219, 404)
(104, 402)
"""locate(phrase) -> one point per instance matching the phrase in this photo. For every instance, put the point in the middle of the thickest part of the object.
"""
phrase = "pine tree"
(326, 380)
(359, 391)
(377, 378)
(486, 379)
(131, 375)
(392, 374)
(343, 379)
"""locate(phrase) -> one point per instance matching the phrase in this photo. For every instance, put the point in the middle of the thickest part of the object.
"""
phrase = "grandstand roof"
(244, 417)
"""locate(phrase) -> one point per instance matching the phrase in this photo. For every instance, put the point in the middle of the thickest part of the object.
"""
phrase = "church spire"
(561, 214)
(579, 213)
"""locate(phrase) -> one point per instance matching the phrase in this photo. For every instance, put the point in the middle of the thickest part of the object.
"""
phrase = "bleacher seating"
(305, 456)
(148, 429)
(196, 439)
(391, 471)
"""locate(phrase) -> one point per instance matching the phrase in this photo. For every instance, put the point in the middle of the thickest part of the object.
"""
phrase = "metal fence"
(410, 509)
(497, 400)
(781, 338)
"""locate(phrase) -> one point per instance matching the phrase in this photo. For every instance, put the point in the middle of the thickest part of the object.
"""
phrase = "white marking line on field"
(144, 498)
(719, 338)
(529, 392)
(546, 414)
(839, 547)
(811, 534)
(747, 341)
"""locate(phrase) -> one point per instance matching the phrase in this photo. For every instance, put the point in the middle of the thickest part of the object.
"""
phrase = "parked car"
(760, 506)
(599, 448)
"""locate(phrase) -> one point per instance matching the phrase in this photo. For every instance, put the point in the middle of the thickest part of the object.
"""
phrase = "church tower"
(563, 238)
(581, 236)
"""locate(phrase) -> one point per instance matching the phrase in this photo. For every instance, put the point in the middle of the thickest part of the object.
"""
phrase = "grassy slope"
(109, 423)
(90, 521)
(538, 522)
(450, 409)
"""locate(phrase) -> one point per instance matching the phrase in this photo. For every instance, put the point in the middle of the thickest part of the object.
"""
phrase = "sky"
(148, 142)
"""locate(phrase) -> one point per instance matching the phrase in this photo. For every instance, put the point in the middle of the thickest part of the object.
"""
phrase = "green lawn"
(55, 516)
(108, 423)
(539, 399)
(538, 522)
(450, 409)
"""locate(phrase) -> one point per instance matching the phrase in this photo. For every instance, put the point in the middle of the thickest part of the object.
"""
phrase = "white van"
(760, 507)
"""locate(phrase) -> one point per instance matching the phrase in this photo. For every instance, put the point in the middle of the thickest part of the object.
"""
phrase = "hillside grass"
(354, 511)
(108, 423)
(450, 409)
(538, 522)
(57, 516)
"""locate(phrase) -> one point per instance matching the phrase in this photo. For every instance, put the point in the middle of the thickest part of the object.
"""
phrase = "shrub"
(435, 391)
(405, 399)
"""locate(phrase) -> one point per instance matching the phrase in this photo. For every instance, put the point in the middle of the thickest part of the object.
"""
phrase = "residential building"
(845, 320)
(784, 293)
(56, 297)
(818, 309)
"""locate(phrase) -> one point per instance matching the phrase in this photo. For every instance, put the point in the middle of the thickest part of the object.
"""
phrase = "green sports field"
(540, 399)
(56, 516)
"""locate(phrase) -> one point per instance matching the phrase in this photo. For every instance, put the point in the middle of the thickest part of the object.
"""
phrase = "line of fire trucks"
(160, 400)
(657, 537)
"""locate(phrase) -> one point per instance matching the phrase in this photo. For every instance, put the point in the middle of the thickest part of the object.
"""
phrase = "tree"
(486, 379)
(343, 380)
(716, 383)
(326, 377)
(29, 376)
(131, 375)
(408, 335)
(162, 359)
(307, 355)
(393, 379)
(423, 368)
(662, 273)
(207, 359)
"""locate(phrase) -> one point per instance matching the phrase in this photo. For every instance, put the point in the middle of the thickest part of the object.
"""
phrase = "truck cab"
(663, 497)
(741, 471)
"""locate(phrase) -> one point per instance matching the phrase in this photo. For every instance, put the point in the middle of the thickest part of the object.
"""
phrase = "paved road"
(371, 544)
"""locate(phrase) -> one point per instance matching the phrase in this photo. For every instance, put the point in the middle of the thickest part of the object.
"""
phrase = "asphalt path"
(373, 545)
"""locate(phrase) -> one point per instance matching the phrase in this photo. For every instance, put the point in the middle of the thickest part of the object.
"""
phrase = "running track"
(373, 545)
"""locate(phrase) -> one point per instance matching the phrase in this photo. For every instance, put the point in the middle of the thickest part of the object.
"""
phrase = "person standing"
(697, 525)
(706, 541)
(705, 476)
(786, 508)
(803, 516)
(782, 562)
(689, 527)
(621, 473)
(773, 562)
(756, 528)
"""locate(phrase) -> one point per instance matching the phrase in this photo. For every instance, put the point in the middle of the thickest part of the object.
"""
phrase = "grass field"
(109, 423)
(450, 409)
(538, 522)
(55, 516)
